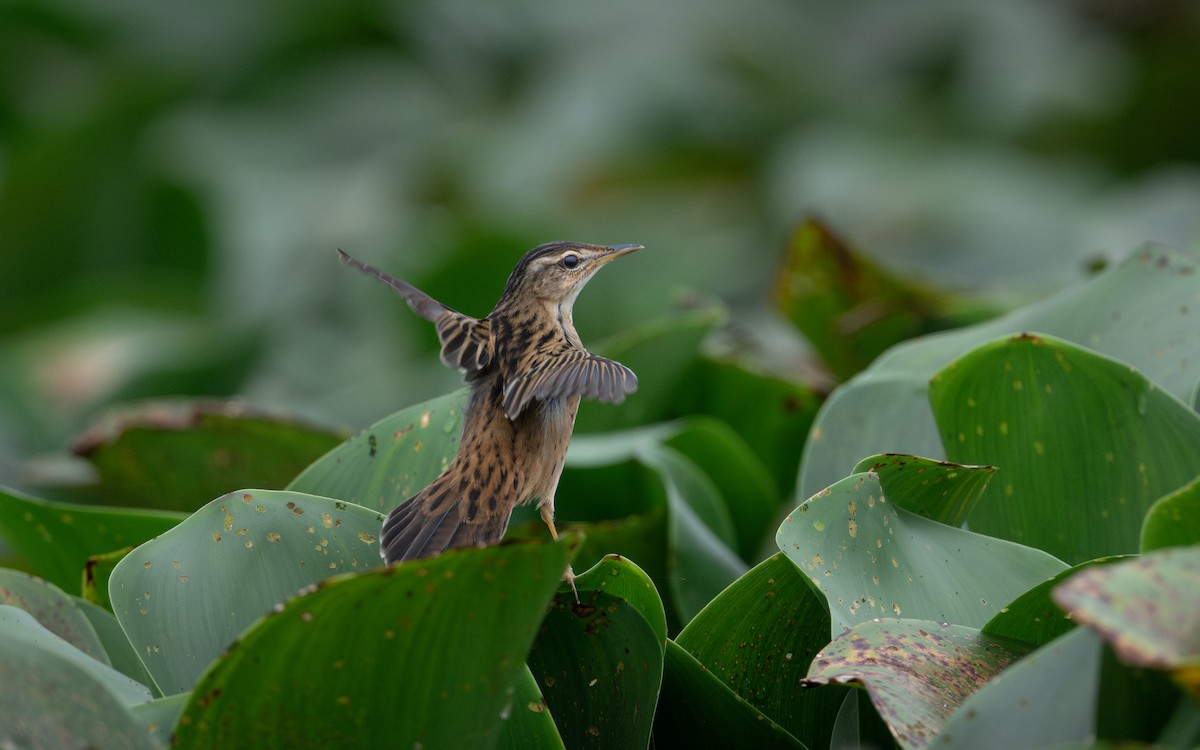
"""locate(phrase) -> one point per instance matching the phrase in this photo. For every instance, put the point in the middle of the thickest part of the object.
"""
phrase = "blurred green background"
(174, 178)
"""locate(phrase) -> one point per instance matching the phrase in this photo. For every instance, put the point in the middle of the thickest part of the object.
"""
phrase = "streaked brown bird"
(527, 370)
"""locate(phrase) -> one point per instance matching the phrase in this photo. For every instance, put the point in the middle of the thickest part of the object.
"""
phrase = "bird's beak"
(616, 251)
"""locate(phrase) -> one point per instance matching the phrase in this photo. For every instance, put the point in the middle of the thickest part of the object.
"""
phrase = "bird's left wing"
(569, 372)
(466, 341)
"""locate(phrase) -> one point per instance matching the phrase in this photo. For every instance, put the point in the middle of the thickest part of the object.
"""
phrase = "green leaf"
(772, 414)
(1147, 609)
(1141, 312)
(871, 558)
(1033, 617)
(938, 490)
(758, 637)
(622, 579)
(917, 672)
(96, 573)
(158, 716)
(428, 653)
(1064, 425)
(599, 661)
(849, 308)
(177, 455)
(391, 460)
(1048, 698)
(53, 695)
(698, 710)
(1173, 520)
(745, 488)
(118, 649)
(530, 725)
(21, 627)
(56, 539)
(225, 566)
(56, 611)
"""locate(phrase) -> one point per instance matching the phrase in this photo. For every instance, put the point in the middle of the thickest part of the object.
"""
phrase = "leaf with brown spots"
(1147, 609)
(917, 672)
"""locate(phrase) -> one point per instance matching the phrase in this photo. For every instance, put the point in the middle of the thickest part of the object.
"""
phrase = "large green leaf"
(1147, 609)
(849, 308)
(54, 696)
(1173, 520)
(758, 637)
(1140, 312)
(178, 455)
(21, 627)
(530, 725)
(424, 654)
(117, 647)
(917, 672)
(938, 490)
(1033, 617)
(391, 460)
(1083, 444)
(872, 558)
(599, 661)
(228, 564)
(1048, 698)
(56, 539)
(701, 535)
(698, 710)
(56, 611)
(770, 412)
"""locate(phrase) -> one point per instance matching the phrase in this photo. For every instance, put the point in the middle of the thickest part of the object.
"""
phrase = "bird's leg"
(547, 511)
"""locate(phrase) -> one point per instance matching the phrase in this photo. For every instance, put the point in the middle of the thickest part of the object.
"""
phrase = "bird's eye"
(570, 261)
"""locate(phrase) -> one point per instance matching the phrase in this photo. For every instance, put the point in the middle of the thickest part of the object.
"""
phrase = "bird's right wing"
(466, 341)
(569, 372)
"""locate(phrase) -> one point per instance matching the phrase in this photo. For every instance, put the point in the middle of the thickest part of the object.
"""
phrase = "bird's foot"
(570, 578)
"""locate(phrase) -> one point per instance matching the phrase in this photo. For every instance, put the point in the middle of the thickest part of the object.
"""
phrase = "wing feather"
(571, 372)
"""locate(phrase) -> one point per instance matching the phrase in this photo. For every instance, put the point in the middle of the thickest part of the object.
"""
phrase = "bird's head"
(556, 271)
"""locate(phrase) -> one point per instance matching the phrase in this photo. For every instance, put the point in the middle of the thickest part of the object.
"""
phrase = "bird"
(527, 371)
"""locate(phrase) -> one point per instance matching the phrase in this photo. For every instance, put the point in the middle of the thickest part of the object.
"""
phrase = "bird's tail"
(427, 524)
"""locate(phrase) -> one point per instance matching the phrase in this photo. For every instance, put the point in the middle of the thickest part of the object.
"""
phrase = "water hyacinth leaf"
(771, 413)
(228, 564)
(698, 710)
(96, 573)
(743, 483)
(872, 559)
(51, 697)
(1048, 698)
(701, 536)
(178, 455)
(917, 672)
(599, 665)
(56, 611)
(56, 539)
(849, 308)
(1173, 520)
(530, 723)
(20, 627)
(758, 636)
(1147, 609)
(938, 490)
(621, 578)
(1033, 617)
(158, 716)
(1141, 311)
(116, 644)
(391, 460)
(337, 644)
(1064, 424)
